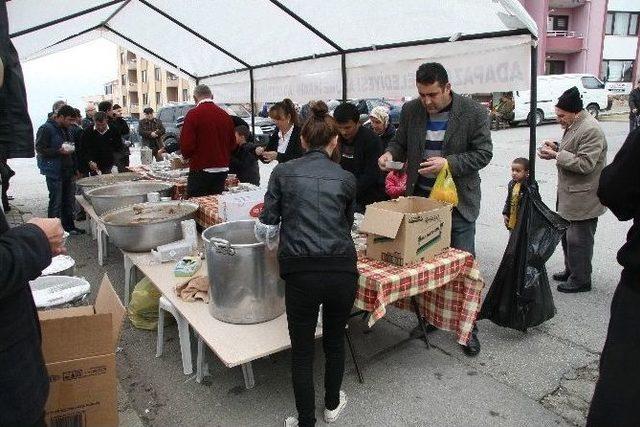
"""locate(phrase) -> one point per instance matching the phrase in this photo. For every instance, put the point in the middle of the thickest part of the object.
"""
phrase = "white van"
(594, 96)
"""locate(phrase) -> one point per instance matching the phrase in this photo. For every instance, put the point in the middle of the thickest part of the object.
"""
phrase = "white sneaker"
(291, 422)
(332, 416)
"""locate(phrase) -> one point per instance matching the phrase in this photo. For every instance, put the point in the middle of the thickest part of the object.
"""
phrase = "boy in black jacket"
(519, 176)
(244, 162)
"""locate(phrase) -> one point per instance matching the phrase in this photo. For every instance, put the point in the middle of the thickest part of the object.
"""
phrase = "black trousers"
(577, 245)
(615, 401)
(304, 293)
(201, 183)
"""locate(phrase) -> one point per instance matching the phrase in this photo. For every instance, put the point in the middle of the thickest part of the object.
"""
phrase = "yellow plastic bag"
(143, 307)
(444, 189)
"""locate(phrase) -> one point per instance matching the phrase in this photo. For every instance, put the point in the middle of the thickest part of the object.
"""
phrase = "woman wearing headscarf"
(381, 125)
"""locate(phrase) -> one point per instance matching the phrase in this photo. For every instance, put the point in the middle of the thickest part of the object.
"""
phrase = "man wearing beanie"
(580, 157)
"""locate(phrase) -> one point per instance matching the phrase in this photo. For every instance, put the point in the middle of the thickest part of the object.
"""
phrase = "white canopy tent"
(265, 50)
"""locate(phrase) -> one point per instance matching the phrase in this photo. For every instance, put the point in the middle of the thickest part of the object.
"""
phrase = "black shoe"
(416, 332)
(76, 231)
(572, 288)
(561, 277)
(6, 208)
(80, 217)
(473, 345)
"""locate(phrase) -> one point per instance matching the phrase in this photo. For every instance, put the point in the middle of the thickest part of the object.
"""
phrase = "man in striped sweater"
(443, 127)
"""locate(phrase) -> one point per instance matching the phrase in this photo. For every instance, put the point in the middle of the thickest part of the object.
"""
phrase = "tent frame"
(339, 51)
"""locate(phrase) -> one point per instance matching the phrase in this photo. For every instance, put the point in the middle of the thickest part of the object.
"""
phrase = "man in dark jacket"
(56, 163)
(442, 127)
(360, 148)
(244, 162)
(90, 111)
(99, 145)
(24, 252)
(151, 130)
(634, 107)
(617, 393)
(16, 132)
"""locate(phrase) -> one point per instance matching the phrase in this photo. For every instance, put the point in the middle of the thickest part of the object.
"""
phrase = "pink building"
(599, 37)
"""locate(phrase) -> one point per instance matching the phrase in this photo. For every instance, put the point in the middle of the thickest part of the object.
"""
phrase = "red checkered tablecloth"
(207, 215)
(448, 290)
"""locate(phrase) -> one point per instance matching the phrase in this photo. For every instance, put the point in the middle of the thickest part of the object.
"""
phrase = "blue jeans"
(61, 200)
(463, 233)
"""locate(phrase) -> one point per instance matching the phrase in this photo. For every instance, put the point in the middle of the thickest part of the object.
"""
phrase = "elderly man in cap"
(580, 157)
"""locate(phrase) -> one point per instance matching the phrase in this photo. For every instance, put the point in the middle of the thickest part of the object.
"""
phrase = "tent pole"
(343, 66)
(532, 113)
(252, 97)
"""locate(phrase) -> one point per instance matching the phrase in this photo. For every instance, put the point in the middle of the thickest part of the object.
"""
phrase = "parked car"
(594, 96)
(172, 117)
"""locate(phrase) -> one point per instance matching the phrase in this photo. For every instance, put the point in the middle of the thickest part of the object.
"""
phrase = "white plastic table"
(234, 345)
(98, 231)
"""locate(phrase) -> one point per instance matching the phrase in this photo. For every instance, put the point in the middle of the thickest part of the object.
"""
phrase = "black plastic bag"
(520, 296)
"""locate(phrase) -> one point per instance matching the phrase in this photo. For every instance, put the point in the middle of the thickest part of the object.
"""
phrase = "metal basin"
(91, 182)
(244, 278)
(110, 197)
(142, 227)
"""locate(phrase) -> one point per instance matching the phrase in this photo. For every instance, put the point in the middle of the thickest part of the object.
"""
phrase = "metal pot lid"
(59, 263)
(149, 213)
(133, 188)
(108, 179)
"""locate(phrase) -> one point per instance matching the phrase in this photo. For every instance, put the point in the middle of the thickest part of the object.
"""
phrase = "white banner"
(476, 66)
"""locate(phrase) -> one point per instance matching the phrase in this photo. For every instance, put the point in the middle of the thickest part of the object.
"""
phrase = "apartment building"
(599, 37)
(144, 84)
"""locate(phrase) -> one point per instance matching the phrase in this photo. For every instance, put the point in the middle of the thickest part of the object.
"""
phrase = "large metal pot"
(244, 279)
(110, 197)
(91, 182)
(145, 226)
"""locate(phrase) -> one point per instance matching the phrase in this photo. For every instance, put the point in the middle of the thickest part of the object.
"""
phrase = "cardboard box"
(79, 346)
(407, 230)
(241, 206)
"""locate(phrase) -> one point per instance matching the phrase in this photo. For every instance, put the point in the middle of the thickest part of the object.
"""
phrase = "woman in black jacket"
(313, 200)
(284, 143)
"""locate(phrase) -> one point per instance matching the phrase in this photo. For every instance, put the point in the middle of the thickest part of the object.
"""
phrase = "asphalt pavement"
(544, 377)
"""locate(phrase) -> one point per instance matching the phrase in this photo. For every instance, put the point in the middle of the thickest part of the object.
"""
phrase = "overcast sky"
(68, 75)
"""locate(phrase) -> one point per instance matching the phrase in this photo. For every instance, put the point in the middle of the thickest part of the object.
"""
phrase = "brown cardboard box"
(407, 230)
(79, 350)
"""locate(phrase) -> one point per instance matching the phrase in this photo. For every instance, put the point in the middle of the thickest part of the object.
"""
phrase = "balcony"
(564, 42)
(134, 108)
(132, 64)
(133, 86)
(172, 80)
(566, 4)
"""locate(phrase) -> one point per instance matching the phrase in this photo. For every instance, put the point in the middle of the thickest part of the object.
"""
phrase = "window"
(124, 80)
(554, 67)
(143, 75)
(145, 99)
(617, 70)
(124, 100)
(122, 57)
(108, 89)
(156, 74)
(592, 83)
(557, 23)
(185, 95)
(158, 97)
(622, 23)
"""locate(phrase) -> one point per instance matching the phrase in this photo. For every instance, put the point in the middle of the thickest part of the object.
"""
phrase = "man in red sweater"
(207, 140)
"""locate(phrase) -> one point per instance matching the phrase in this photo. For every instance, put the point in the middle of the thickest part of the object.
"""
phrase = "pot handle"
(222, 246)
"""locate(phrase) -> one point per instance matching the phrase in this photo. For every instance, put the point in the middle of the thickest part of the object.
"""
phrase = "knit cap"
(570, 101)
